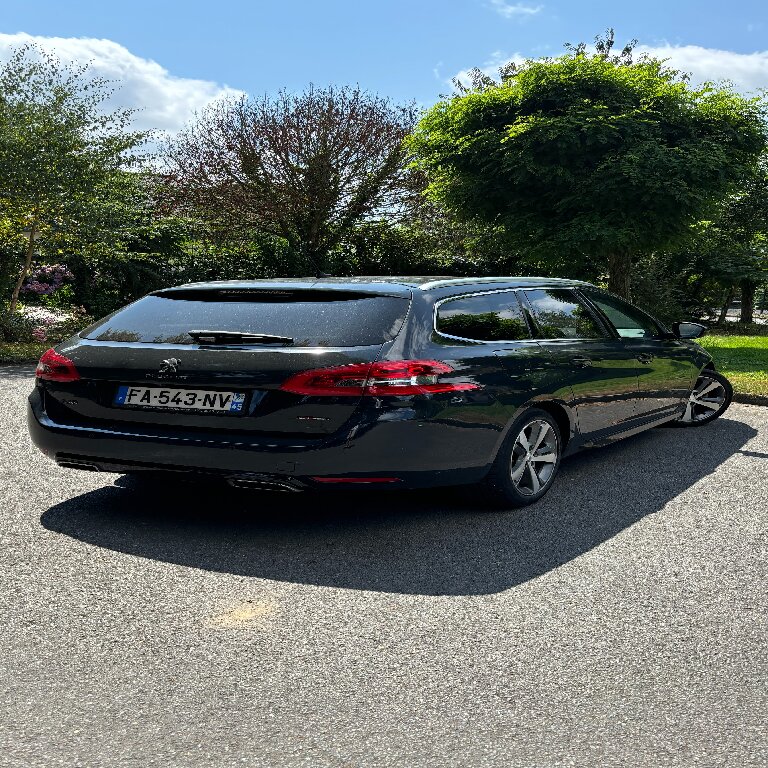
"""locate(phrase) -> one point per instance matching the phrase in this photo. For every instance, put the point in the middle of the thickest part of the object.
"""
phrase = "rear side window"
(488, 317)
(310, 318)
(560, 315)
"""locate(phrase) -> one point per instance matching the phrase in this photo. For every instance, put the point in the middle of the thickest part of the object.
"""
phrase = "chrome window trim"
(439, 303)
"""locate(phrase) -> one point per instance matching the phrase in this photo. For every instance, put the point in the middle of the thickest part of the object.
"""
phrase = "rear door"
(148, 346)
(497, 321)
(582, 350)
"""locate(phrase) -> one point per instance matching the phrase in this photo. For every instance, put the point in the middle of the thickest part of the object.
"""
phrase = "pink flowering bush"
(47, 279)
(42, 317)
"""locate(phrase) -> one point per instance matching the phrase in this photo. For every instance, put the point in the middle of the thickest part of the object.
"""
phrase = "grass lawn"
(743, 359)
(21, 353)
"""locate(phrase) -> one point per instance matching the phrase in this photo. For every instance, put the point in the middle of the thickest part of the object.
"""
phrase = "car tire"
(709, 399)
(527, 462)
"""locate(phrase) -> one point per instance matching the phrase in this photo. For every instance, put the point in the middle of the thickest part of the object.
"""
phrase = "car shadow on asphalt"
(435, 542)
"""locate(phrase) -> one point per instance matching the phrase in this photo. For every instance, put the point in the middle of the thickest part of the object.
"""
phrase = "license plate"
(180, 399)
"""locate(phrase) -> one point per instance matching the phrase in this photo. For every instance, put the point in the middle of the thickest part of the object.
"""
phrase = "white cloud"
(165, 102)
(515, 10)
(747, 71)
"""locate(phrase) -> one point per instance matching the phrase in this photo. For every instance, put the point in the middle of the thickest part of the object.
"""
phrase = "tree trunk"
(726, 303)
(748, 289)
(25, 270)
(619, 273)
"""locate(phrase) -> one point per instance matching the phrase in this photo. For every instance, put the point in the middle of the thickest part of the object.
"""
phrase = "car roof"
(386, 285)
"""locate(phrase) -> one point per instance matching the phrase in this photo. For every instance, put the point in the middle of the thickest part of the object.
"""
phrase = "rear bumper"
(417, 453)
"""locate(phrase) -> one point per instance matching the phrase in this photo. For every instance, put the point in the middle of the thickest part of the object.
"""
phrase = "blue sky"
(172, 56)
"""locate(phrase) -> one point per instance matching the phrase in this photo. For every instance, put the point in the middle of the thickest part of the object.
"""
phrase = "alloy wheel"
(534, 457)
(707, 399)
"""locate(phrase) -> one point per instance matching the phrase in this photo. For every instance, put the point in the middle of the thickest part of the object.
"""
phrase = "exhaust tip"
(84, 465)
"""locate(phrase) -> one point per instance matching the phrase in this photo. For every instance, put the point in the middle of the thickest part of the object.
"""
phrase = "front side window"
(488, 317)
(630, 322)
(560, 315)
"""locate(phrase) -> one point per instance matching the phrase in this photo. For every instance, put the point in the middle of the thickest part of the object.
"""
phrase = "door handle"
(581, 362)
(645, 357)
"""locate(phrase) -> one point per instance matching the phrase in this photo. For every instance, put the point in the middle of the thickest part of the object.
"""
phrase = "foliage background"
(122, 227)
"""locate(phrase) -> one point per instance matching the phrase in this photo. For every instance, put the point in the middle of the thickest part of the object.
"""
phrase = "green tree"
(589, 156)
(61, 154)
(725, 257)
(741, 237)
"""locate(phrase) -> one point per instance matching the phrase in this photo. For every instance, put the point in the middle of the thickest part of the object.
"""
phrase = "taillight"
(402, 377)
(56, 367)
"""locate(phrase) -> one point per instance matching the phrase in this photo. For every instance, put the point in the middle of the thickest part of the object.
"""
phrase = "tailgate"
(170, 345)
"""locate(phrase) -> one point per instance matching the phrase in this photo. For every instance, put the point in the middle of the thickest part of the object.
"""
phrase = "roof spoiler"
(275, 293)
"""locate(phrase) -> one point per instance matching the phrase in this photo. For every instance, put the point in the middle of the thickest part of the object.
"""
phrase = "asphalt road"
(621, 621)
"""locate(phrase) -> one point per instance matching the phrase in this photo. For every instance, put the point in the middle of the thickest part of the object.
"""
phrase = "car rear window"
(310, 318)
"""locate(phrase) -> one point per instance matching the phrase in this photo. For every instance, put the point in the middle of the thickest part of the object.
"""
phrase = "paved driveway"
(621, 621)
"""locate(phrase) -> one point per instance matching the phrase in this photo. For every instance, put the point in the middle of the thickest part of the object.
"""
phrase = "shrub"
(738, 329)
(41, 324)
(46, 279)
(15, 327)
(68, 324)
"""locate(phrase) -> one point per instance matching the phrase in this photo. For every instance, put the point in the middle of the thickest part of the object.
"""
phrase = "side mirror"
(688, 330)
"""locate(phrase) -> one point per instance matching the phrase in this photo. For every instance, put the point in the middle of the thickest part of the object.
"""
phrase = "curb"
(17, 369)
(750, 399)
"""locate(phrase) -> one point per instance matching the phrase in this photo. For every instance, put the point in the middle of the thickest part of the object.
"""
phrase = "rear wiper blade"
(242, 337)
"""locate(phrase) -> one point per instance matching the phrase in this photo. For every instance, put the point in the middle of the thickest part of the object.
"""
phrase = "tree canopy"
(60, 153)
(736, 241)
(589, 155)
(306, 167)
